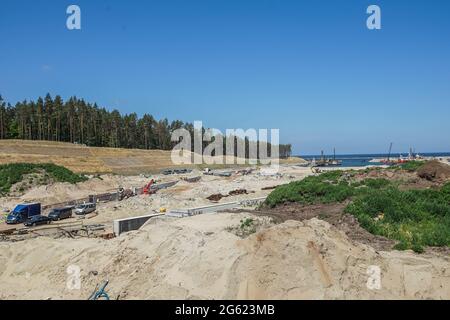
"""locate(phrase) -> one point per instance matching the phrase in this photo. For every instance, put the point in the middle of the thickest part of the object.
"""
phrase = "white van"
(85, 208)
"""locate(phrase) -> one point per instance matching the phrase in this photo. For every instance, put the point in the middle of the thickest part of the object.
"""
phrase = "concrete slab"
(129, 224)
(181, 213)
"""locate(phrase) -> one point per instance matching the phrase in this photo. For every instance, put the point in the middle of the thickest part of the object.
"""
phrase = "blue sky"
(310, 68)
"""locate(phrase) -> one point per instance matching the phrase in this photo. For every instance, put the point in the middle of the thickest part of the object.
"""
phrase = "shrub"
(13, 173)
(415, 218)
(410, 166)
(376, 183)
(315, 189)
(246, 223)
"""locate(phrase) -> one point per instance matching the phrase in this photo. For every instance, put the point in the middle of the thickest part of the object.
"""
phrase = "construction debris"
(269, 188)
(175, 171)
(191, 180)
(216, 197)
(125, 193)
(237, 192)
(269, 172)
(244, 172)
(107, 235)
(217, 173)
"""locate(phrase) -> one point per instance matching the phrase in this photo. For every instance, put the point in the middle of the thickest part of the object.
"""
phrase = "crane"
(389, 154)
(148, 187)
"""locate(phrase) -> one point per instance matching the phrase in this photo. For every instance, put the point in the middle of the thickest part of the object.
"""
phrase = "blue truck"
(23, 212)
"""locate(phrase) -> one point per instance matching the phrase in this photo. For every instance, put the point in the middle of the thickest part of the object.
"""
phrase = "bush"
(415, 218)
(410, 166)
(246, 223)
(376, 183)
(325, 188)
(13, 173)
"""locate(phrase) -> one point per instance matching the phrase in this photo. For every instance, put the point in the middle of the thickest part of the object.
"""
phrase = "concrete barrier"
(129, 224)
(181, 213)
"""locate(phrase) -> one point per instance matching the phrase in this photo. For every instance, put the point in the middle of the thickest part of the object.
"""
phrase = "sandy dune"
(199, 258)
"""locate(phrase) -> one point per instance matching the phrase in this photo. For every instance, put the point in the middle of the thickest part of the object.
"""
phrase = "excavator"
(148, 188)
(153, 186)
(125, 193)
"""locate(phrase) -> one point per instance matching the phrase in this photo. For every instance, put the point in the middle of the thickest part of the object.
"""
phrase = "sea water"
(361, 160)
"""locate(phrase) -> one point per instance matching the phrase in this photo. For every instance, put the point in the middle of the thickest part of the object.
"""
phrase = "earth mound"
(198, 258)
(434, 171)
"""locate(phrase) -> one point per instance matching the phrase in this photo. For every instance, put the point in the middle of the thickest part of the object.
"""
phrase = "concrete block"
(129, 224)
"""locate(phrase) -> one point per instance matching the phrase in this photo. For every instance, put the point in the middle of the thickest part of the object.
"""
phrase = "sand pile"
(59, 192)
(434, 170)
(199, 257)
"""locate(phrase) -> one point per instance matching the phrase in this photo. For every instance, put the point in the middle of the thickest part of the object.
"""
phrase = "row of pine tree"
(77, 121)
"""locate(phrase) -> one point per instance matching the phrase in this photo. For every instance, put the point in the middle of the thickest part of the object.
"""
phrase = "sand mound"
(199, 258)
(434, 170)
(63, 191)
(312, 260)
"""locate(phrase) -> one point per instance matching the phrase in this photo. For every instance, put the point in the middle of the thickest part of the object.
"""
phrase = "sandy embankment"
(199, 258)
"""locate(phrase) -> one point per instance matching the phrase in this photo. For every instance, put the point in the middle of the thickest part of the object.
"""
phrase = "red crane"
(148, 187)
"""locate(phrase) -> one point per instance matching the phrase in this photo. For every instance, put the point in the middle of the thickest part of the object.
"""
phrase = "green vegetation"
(326, 188)
(246, 223)
(247, 227)
(13, 173)
(410, 166)
(415, 218)
(376, 183)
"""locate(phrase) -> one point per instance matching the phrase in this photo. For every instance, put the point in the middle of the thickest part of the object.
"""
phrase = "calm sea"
(361, 160)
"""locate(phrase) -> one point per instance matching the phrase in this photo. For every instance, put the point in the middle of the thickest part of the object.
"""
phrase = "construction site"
(198, 233)
(217, 158)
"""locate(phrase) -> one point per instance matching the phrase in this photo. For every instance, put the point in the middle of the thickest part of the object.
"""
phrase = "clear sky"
(310, 68)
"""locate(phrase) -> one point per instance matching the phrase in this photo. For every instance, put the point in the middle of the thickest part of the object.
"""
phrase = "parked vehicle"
(60, 213)
(23, 212)
(37, 220)
(175, 171)
(85, 208)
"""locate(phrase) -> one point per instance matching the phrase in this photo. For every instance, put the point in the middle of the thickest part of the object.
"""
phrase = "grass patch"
(247, 227)
(415, 218)
(376, 183)
(13, 173)
(410, 166)
(325, 188)
(329, 187)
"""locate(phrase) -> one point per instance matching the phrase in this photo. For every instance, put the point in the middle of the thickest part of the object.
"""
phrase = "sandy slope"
(83, 159)
(198, 258)
(79, 158)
